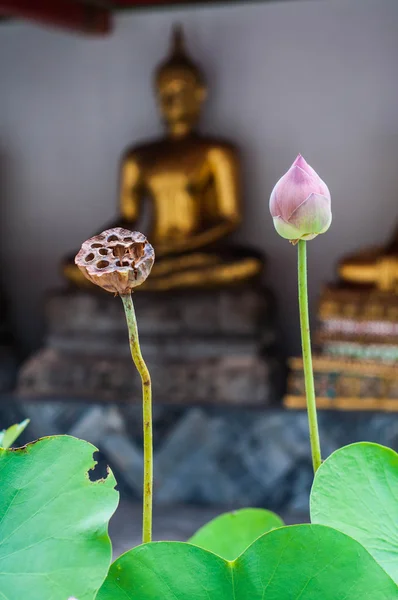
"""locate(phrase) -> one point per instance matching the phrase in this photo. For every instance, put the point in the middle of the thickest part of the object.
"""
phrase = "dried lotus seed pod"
(118, 260)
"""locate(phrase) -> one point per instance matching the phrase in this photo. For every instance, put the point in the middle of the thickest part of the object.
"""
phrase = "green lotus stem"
(307, 357)
(146, 413)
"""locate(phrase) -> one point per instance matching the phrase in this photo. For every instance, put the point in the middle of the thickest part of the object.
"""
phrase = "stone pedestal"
(208, 347)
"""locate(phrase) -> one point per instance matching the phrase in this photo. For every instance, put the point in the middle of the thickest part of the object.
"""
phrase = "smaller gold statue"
(192, 182)
(375, 267)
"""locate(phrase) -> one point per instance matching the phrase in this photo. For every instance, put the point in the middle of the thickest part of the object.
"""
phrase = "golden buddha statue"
(192, 182)
(376, 267)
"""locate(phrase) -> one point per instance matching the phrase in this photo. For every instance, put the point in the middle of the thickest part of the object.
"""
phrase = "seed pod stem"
(147, 415)
(307, 357)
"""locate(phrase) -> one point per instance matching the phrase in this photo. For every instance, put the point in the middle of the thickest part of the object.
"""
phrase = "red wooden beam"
(67, 14)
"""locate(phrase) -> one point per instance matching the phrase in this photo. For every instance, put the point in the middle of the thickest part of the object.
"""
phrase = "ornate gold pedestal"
(346, 384)
(356, 357)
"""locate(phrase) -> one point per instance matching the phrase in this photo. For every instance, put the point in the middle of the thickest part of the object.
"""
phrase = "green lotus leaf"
(356, 491)
(231, 533)
(302, 562)
(8, 436)
(53, 521)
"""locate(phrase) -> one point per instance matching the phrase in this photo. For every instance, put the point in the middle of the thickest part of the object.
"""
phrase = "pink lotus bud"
(300, 203)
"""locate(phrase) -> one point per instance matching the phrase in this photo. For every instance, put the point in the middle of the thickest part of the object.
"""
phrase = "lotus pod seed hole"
(127, 239)
(89, 257)
(103, 251)
(102, 264)
(96, 245)
(113, 238)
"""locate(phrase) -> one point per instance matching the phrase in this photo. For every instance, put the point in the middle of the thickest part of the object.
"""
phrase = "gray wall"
(317, 77)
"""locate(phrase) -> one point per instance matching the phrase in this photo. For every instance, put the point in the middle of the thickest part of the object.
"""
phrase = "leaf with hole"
(10, 435)
(356, 491)
(231, 533)
(53, 521)
(302, 562)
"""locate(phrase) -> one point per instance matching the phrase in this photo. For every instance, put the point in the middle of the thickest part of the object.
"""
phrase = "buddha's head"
(180, 88)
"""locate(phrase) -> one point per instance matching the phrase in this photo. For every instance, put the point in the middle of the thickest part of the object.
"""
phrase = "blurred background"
(316, 77)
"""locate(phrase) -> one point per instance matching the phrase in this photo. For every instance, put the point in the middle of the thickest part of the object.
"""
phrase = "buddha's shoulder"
(144, 149)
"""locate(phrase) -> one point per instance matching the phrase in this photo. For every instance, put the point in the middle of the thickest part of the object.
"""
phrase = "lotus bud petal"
(300, 203)
(117, 260)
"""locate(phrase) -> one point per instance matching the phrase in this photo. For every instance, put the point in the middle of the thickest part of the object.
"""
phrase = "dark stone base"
(227, 380)
(208, 347)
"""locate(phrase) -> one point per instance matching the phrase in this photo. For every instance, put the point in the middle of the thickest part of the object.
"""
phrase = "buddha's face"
(180, 99)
